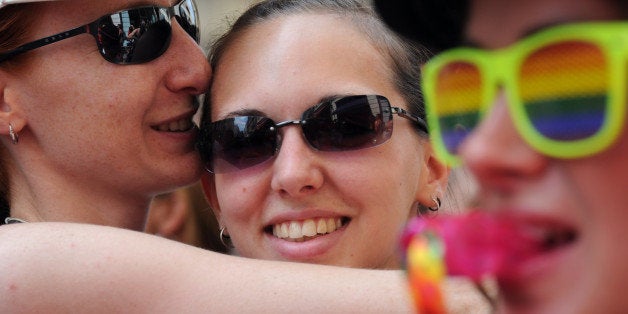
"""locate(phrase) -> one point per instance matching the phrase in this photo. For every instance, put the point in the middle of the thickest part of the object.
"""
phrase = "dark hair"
(437, 24)
(14, 21)
(405, 56)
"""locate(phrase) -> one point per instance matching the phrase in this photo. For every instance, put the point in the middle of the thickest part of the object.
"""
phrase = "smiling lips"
(299, 231)
(182, 125)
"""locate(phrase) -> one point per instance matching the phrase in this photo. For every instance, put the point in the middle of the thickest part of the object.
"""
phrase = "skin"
(122, 271)
(587, 194)
(113, 261)
(93, 125)
(288, 65)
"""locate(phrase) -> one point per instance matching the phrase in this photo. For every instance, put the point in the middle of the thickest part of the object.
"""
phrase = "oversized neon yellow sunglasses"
(565, 88)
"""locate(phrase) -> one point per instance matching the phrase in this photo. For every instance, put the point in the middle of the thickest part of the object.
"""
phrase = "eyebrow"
(256, 112)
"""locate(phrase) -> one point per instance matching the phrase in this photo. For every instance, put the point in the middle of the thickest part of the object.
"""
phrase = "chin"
(183, 173)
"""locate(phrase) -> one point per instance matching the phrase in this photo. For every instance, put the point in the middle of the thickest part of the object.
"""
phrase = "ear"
(209, 189)
(10, 111)
(434, 181)
(168, 214)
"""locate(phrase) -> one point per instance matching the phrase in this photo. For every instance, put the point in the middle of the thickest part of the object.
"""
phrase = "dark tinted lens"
(241, 142)
(186, 14)
(108, 39)
(134, 36)
(352, 122)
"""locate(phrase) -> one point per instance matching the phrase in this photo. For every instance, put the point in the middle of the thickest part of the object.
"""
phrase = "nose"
(189, 70)
(296, 169)
(496, 154)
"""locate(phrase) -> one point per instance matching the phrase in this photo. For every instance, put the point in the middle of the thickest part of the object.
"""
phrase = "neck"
(64, 200)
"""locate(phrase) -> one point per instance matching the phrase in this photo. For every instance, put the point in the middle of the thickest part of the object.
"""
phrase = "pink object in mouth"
(476, 244)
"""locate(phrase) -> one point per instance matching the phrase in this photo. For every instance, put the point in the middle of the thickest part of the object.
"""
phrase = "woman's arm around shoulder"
(62, 267)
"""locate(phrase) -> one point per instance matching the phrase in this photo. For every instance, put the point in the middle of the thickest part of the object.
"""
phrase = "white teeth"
(176, 126)
(331, 225)
(283, 231)
(295, 230)
(321, 226)
(309, 228)
(298, 230)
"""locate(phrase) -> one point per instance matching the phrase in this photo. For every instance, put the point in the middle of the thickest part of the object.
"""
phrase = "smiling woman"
(88, 146)
(327, 141)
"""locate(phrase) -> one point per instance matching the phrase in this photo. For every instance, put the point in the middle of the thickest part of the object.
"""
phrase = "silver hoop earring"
(437, 202)
(14, 137)
(225, 239)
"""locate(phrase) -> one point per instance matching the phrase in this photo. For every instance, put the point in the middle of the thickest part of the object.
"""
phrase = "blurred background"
(216, 15)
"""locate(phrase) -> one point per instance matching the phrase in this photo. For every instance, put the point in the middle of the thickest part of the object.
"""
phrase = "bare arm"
(56, 267)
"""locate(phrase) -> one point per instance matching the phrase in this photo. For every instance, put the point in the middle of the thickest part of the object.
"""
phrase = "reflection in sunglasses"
(131, 36)
(338, 124)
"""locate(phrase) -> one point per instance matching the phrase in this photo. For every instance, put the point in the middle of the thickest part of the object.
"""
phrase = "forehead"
(298, 59)
(497, 23)
(89, 10)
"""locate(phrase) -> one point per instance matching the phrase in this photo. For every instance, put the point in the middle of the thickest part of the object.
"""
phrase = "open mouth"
(484, 243)
(536, 241)
(181, 125)
(553, 238)
(304, 230)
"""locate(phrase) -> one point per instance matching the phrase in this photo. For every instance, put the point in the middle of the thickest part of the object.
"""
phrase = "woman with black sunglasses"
(92, 127)
(327, 178)
(324, 156)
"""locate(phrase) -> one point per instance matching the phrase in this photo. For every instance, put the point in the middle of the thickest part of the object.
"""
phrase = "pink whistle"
(476, 244)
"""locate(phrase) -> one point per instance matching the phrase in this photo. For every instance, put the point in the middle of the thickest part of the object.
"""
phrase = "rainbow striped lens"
(458, 98)
(564, 90)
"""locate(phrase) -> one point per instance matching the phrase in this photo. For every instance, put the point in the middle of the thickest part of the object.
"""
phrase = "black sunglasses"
(111, 33)
(339, 124)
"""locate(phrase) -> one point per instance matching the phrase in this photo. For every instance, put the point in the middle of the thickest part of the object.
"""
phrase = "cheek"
(599, 183)
(384, 180)
(240, 196)
(602, 179)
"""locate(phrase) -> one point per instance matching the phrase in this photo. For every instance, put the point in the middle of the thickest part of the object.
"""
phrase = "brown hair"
(14, 22)
(405, 57)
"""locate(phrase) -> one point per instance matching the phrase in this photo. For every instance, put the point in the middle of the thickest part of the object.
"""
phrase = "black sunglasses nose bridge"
(289, 122)
(284, 124)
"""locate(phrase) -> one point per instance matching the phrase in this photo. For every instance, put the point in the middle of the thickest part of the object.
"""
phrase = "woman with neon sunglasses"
(537, 112)
(328, 179)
